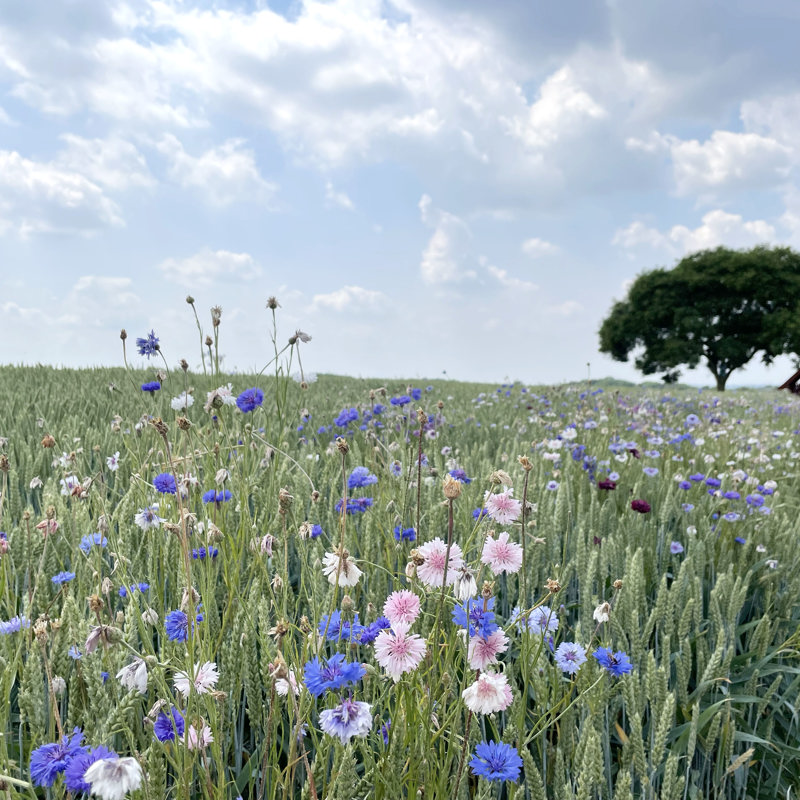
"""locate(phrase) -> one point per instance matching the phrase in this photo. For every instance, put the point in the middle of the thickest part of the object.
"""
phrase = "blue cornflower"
(165, 483)
(76, 769)
(222, 496)
(333, 674)
(401, 401)
(177, 625)
(378, 409)
(416, 393)
(697, 477)
(13, 625)
(338, 629)
(480, 513)
(49, 760)
(372, 630)
(87, 542)
(405, 535)
(396, 468)
(74, 653)
(104, 676)
(152, 387)
(480, 622)
(63, 577)
(360, 477)
(496, 761)
(687, 507)
(460, 475)
(650, 471)
(732, 496)
(202, 552)
(346, 416)
(250, 399)
(616, 663)
(713, 482)
(675, 548)
(684, 485)
(754, 500)
(316, 530)
(167, 728)
(740, 540)
(355, 505)
(148, 346)
(385, 731)
(732, 516)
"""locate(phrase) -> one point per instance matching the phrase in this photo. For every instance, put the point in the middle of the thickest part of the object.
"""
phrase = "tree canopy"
(722, 306)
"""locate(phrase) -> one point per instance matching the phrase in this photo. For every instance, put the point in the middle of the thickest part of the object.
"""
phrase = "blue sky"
(426, 186)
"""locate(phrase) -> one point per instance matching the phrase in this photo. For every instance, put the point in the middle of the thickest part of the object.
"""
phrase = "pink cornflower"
(431, 571)
(502, 507)
(502, 555)
(484, 651)
(204, 680)
(402, 606)
(397, 652)
(197, 739)
(488, 694)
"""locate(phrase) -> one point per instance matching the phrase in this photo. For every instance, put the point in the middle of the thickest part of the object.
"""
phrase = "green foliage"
(720, 307)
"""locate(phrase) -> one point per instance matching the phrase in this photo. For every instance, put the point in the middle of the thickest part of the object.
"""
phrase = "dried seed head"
(451, 487)
(277, 583)
(190, 299)
(183, 423)
(106, 586)
(342, 446)
(184, 365)
(422, 417)
(171, 527)
(552, 586)
(304, 531)
(187, 594)
(500, 477)
(618, 584)
(95, 603)
(4, 463)
(160, 426)
(272, 303)
(209, 341)
(123, 334)
(525, 463)
(216, 315)
(48, 441)
(102, 524)
(411, 570)
(487, 590)
(285, 501)
(305, 625)
(315, 495)
(40, 629)
(440, 405)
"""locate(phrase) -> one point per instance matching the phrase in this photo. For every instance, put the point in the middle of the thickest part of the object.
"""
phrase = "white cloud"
(718, 228)
(509, 282)
(566, 309)
(445, 256)
(203, 268)
(726, 161)
(535, 248)
(347, 297)
(335, 198)
(226, 174)
(38, 197)
(113, 163)
(562, 107)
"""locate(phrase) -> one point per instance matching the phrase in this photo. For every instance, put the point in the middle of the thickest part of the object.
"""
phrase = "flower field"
(222, 586)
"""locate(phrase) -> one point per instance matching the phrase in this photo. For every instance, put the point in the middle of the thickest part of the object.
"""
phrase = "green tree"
(722, 306)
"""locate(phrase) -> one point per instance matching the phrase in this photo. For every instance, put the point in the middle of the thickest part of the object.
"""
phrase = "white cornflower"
(113, 462)
(602, 612)
(204, 680)
(148, 518)
(182, 402)
(113, 778)
(340, 570)
(134, 676)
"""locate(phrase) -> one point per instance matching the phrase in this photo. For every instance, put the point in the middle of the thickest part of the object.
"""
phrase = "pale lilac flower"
(490, 693)
(204, 680)
(350, 718)
(502, 507)
(134, 676)
(569, 656)
(147, 518)
(397, 651)
(543, 620)
(113, 462)
(502, 555)
(402, 606)
(68, 484)
(484, 650)
(675, 548)
(283, 685)
(113, 778)
(431, 571)
(340, 569)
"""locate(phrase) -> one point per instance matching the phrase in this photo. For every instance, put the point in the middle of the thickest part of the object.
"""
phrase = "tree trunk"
(721, 381)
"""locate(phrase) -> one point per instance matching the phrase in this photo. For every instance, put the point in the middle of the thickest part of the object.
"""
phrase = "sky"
(426, 186)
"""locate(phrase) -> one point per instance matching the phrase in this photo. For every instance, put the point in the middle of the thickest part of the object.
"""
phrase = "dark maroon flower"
(634, 452)
(642, 506)
(597, 540)
(609, 486)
